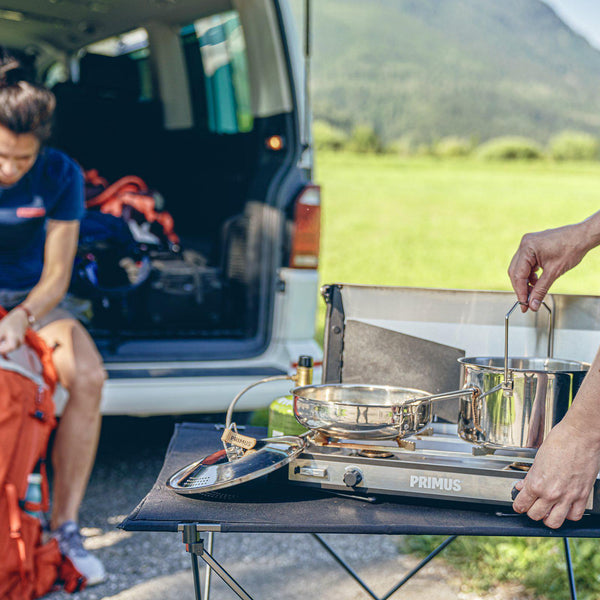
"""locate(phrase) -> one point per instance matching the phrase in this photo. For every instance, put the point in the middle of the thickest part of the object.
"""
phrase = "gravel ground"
(154, 566)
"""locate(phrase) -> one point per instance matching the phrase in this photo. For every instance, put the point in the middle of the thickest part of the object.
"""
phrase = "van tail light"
(306, 235)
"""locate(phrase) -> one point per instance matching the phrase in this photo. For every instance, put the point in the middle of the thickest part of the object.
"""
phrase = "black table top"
(273, 505)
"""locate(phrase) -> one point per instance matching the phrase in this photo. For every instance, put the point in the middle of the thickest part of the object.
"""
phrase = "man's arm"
(562, 476)
(560, 480)
(59, 252)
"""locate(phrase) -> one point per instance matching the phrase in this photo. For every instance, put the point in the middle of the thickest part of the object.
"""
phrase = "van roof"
(67, 25)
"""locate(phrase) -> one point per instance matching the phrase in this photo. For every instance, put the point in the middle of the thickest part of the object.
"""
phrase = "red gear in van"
(132, 191)
(28, 569)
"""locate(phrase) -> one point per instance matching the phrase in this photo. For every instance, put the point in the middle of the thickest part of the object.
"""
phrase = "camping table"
(274, 506)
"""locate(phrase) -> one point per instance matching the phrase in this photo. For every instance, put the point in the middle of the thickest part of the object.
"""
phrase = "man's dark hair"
(25, 107)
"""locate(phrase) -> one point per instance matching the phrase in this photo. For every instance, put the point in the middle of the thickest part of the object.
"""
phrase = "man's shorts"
(11, 298)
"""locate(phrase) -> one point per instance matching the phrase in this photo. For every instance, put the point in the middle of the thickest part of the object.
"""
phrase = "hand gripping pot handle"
(507, 385)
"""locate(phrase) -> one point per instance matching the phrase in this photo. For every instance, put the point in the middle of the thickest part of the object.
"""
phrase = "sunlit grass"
(446, 223)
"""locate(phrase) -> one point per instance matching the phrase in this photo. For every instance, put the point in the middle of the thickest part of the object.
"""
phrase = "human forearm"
(584, 414)
(61, 244)
(589, 231)
(48, 292)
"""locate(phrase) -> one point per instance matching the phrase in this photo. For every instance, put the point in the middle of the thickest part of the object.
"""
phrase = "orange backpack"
(128, 191)
(28, 568)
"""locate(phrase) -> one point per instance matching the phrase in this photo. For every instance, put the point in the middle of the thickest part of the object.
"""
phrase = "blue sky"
(583, 16)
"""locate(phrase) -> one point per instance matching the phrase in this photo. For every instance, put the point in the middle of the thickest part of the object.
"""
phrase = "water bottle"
(34, 494)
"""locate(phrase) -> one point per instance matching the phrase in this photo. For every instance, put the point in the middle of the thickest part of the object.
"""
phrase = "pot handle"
(474, 392)
(508, 381)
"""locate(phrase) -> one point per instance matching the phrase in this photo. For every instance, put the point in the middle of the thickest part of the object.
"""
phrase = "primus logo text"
(436, 483)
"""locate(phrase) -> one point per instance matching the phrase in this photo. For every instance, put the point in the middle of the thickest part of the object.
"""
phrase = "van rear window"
(215, 54)
(131, 47)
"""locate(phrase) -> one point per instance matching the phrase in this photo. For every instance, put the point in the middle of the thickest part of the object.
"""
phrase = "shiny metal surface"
(216, 472)
(361, 411)
(549, 353)
(542, 392)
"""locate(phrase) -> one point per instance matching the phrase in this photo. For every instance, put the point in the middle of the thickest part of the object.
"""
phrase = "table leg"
(196, 575)
(208, 570)
(358, 580)
(195, 546)
(414, 571)
(344, 565)
(570, 573)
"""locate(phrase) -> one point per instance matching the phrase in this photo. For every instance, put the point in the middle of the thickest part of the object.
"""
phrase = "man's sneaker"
(70, 543)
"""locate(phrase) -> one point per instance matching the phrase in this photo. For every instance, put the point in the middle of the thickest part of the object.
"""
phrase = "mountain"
(433, 68)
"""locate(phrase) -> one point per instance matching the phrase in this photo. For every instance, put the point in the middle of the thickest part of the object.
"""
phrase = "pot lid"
(216, 472)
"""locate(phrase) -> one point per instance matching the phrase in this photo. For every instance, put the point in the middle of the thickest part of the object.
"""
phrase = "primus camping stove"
(431, 463)
(434, 464)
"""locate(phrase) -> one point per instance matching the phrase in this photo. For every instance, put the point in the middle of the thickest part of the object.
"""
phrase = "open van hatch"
(186, 98)
(203, 102)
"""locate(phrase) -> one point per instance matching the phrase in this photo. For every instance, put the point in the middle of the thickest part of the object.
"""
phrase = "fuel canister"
(281, 418)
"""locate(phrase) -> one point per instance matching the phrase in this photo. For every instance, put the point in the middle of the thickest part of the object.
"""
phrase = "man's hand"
(555, 251)
(559, 483)
(12, 330)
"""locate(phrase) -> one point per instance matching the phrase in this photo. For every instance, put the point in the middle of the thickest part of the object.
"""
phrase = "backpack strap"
(130, 183)
(14, 524)
(37, 344)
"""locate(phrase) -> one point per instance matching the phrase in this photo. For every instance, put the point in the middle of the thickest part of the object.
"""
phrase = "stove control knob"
(352, 476)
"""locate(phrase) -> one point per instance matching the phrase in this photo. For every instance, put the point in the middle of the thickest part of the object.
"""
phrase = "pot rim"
(577, 365)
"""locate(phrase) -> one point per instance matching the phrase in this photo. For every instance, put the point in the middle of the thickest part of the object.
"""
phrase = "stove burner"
(518, 466)
(406, 444)
(368, 453)
(364, 449)
(482, 451)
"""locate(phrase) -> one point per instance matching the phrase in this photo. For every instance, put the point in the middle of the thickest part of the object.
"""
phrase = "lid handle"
(237, 439)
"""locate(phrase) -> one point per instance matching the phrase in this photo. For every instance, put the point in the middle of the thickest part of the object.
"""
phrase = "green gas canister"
(281, 418)
(281, 411)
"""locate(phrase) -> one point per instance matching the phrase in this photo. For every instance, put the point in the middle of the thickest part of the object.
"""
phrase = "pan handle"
(508, 381)
(474, 392)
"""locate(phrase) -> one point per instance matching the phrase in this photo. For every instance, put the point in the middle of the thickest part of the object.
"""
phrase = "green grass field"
(446, 223)
(456, 224)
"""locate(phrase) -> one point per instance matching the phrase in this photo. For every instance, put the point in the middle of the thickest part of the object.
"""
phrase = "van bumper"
(179, 388)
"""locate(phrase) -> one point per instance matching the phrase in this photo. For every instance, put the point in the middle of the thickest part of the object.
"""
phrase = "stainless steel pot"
(522, 398)
(365, 412)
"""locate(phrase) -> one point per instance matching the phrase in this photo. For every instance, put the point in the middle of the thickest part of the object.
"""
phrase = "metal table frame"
(194, 544)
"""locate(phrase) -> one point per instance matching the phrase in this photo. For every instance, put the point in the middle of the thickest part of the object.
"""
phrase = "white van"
(204, 101)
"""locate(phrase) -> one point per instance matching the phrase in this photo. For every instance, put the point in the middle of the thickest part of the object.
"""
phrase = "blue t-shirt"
(52, 189)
